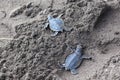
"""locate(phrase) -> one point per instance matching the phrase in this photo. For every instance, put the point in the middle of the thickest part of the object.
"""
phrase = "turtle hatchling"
(55, 24)
(74, 60)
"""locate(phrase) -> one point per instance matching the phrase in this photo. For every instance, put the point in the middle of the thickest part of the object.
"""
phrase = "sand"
(28, 52)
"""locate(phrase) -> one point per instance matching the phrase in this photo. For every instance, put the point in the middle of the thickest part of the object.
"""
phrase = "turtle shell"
(72, 61)
(56, 24)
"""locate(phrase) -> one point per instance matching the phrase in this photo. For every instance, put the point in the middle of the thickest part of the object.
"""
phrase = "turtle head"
(49, 17)
(78, 49)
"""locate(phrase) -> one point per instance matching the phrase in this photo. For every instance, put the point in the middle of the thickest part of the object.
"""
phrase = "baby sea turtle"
(55, 24)
(74, 60)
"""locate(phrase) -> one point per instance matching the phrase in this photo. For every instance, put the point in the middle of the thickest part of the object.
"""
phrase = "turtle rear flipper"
(74, 71)
(54, 34)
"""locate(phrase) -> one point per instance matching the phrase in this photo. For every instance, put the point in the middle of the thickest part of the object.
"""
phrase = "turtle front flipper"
(60, 16)
(46, 25)
(54, 34)
(86, 57)
(74, 71)
(67, 29)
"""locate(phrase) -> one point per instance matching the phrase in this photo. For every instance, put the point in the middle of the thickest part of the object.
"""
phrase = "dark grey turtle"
(74, 60)
(55, 24)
